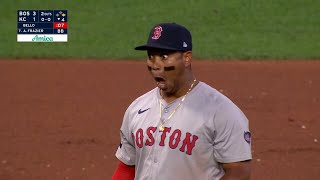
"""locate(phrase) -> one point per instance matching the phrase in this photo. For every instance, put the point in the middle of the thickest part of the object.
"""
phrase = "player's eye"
(164, 56)
(150, 57)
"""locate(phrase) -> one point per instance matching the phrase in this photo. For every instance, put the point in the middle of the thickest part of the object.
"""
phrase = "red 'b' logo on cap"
(157, 32)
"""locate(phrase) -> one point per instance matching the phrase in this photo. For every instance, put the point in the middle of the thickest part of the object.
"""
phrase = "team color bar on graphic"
(42, 38)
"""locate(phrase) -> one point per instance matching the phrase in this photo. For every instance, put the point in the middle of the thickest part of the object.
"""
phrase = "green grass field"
(234, 29)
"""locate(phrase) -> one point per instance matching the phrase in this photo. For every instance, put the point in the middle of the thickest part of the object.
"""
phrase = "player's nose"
(155, 64)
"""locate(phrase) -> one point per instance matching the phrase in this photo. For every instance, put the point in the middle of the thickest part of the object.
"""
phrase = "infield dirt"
(61, 119)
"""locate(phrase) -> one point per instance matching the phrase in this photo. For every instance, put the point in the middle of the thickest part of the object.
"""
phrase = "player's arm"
(232, 146)
(126, 152)
(124, 172)
(237, 170)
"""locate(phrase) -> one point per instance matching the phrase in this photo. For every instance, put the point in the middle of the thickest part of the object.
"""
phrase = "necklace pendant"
(161, 128)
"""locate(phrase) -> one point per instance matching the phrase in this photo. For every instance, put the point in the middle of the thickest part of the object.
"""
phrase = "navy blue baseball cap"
(168, 36)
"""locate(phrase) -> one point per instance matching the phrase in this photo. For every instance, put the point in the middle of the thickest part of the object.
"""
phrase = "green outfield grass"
(234, 29)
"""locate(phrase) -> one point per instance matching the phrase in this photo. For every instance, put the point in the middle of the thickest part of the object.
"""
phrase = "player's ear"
(187, 56)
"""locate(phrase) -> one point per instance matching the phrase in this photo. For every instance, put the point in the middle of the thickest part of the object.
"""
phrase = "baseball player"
(183, 129)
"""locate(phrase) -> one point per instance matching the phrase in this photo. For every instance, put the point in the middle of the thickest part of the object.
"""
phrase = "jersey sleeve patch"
(247, 137)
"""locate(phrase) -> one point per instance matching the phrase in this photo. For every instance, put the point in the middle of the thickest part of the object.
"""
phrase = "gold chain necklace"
(162, 121)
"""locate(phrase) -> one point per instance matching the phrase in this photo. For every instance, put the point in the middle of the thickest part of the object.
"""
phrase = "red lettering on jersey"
(187, 146)
(157, 32)
(139, 138)
(175, 139)
(164, 135)
(150, 132)
(190, 144)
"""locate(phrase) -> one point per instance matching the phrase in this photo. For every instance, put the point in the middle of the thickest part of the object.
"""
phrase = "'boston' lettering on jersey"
(187, 145)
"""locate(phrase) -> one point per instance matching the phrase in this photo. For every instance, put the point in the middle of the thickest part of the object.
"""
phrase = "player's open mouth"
(159, 79)
(161, 82)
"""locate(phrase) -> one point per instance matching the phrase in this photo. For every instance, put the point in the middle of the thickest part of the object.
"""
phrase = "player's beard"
(162, 85)
(169, 87)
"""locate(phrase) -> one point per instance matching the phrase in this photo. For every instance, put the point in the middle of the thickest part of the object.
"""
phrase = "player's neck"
(181, 90)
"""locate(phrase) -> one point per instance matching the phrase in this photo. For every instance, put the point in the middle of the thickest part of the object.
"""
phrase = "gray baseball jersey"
(206, 130)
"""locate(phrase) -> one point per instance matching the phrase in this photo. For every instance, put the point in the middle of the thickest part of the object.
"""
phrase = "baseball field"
(61, 104)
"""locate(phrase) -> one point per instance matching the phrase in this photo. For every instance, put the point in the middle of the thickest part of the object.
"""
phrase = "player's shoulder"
(210, 94)
(212, 97)
(222, 104)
